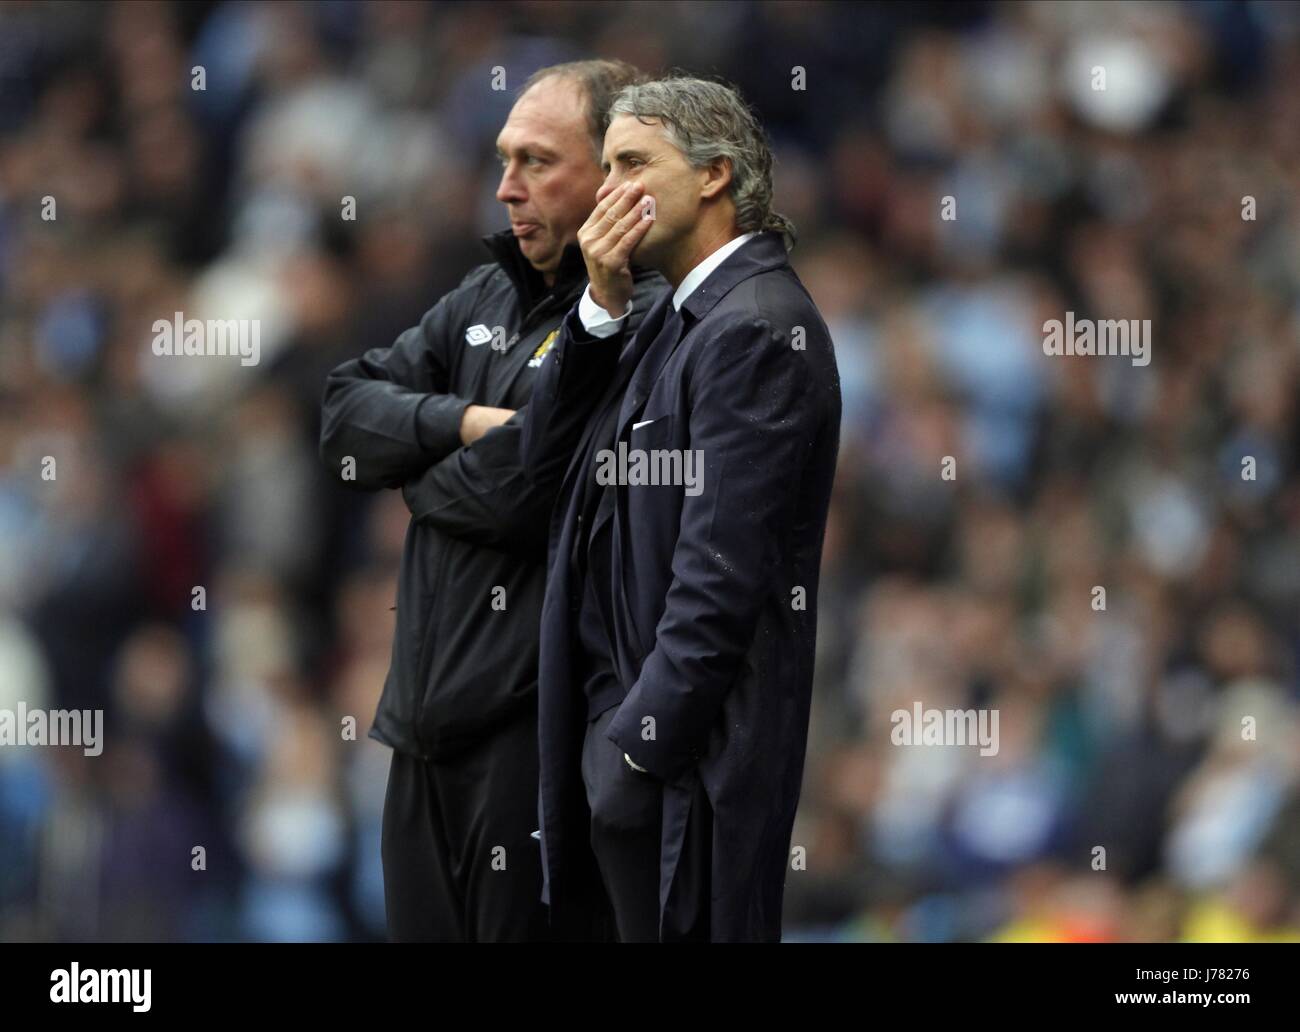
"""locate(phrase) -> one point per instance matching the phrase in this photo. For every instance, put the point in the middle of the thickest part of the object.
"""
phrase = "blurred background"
(1120, 728)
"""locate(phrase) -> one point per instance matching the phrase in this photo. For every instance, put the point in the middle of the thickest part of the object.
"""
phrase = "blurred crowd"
(1147, 781)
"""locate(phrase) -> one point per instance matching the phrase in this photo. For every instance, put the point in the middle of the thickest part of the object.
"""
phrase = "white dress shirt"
(599, 323)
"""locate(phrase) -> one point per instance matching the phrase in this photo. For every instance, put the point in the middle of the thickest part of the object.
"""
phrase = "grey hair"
(706, 121)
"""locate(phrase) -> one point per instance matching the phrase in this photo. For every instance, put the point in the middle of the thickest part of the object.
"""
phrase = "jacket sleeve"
(480, 494)
(571, 381)
(391, 410)
(752, 425)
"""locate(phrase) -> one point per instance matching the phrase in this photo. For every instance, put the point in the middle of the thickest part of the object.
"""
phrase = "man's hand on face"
(607, 239)
(479, 419)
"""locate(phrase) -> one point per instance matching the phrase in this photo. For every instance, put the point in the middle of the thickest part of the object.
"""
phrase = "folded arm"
(480, 494)
(390, 410)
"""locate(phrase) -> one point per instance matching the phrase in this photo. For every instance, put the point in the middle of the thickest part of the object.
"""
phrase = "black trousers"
(627, 838)
(460, 862)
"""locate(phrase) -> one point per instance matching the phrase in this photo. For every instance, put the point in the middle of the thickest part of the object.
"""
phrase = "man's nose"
(510, 188)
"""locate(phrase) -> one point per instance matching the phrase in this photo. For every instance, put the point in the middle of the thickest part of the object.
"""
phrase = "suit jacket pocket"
(651, 432)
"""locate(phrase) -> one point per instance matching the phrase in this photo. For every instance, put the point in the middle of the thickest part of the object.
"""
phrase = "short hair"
(709, 120)
(600, 82)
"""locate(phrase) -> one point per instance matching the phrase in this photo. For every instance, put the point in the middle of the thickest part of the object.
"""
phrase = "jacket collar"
(759, 254)
(570, 277)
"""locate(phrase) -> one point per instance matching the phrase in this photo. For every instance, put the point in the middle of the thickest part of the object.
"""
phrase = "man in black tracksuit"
(438, 415)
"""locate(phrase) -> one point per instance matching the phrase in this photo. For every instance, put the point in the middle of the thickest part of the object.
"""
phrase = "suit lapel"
(644, 358)
(627, 362)
(653, 360)
(763, 252)
(630, 360)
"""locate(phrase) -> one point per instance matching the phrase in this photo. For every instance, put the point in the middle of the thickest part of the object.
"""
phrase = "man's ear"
(717, 178)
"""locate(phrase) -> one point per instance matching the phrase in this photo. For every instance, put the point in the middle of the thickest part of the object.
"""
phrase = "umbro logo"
(477, 334)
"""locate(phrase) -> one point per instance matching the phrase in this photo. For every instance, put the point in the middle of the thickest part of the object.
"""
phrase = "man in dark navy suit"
(697, 458)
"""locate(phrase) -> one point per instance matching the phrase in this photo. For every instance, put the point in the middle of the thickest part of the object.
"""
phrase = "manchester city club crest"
(542, 349)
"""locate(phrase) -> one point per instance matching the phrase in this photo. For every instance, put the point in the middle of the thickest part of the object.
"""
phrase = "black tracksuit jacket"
(473, 568)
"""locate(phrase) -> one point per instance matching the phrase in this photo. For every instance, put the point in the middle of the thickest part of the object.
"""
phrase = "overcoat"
(714, 582)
